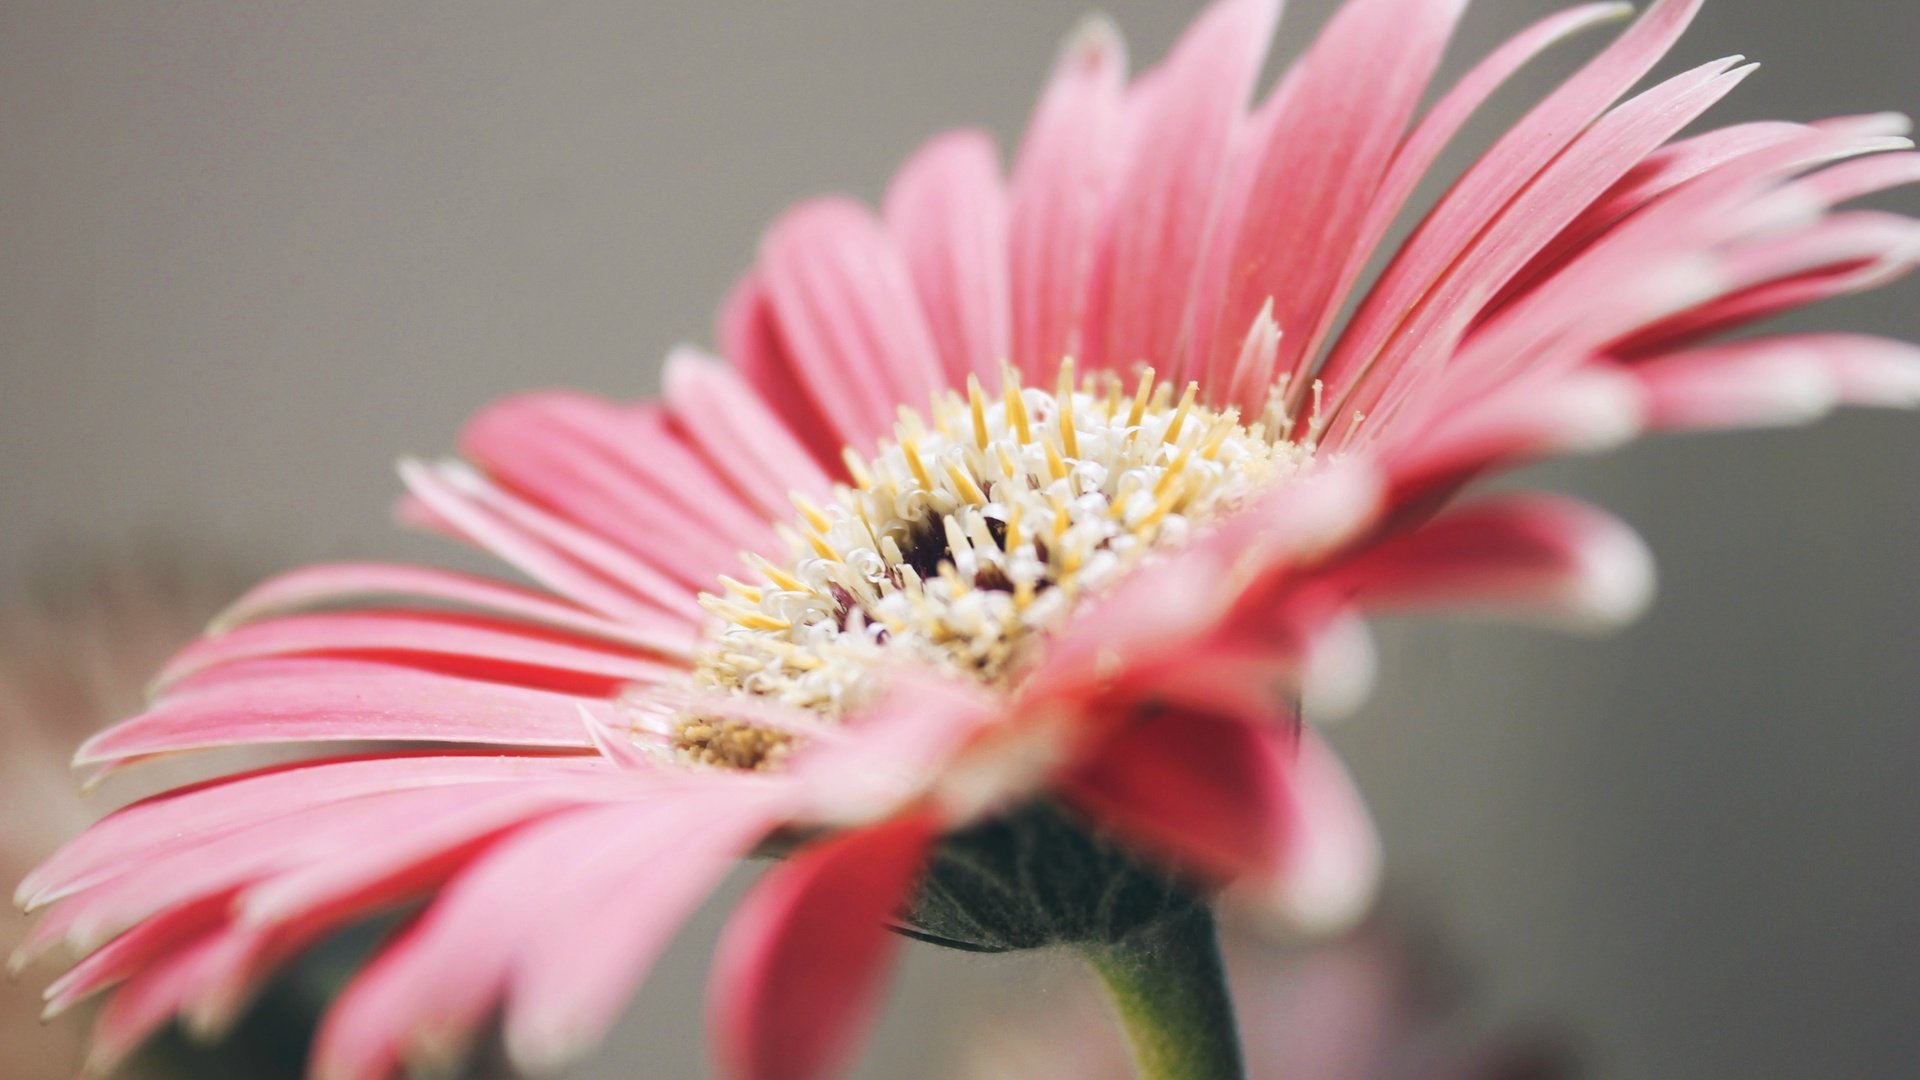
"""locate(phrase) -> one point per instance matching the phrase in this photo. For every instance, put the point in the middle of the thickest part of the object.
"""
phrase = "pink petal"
(620, 474)
(560, 556)
(1536, 555)
(423, 997)
(1700, 258)
(740, 433)
(319, 700)
(1868, 370)
(896, 747)
(1062, 182)
(1169, 608)
(1331, 868)
(749, 337)
(1350, 99)
(1663, 171)
(1417, 155)
(405, 859)
(1541, 416)
(137, 949)
(495, 651)
(365, 583)
(848, 316)
(797, 976)
(148, 1000)
(251, 853)
(1205, 793)
(580, 965)
(1513, 163)
(194, 814)
(1778, 380)
(1597, 160)
(1171, 183)
(947, 210)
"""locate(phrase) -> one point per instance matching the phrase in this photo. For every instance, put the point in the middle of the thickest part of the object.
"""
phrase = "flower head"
(1012, 540)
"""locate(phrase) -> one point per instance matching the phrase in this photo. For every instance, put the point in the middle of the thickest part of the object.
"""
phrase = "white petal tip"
(1339, 672)
(1616, 582)
(1095, 38)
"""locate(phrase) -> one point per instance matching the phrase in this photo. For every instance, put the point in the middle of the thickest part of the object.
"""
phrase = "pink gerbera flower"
(987, 578)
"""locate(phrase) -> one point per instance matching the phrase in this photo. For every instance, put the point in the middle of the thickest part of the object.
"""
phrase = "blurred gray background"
(250, 253)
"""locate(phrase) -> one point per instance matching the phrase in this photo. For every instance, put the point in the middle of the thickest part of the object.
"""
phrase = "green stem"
(1168, 985)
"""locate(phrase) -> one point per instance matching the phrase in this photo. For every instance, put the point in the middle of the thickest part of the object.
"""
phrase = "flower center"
(964, 540)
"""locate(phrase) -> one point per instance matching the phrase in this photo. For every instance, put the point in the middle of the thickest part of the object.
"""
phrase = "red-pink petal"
(750, 339)
(619, 473)
(498, 651)
(740, 433)
(1171, 183)
(1205, 793)
(191, 815)
(1350, 99)
(1062, 183)
(561, 556)
(947, 210)
(1331, 868)
(1421, 149)
(1536, 555)
(798, 973)
(320, 700)
(423, 997)
(1595, 161)
(847, 314)
(369, 584)
(577, 969)
(1505, 170)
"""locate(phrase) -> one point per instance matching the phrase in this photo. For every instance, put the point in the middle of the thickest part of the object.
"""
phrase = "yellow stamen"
(964, 484)
(1054, 465)
(1016, 405)
(814, 516)
(977, 400)
(856, 468)
(1140, 398)
(919, 467)
(1063, 399)
(1180, 415)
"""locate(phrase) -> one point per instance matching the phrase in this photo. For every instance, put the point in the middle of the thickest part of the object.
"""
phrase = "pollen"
(970, 535)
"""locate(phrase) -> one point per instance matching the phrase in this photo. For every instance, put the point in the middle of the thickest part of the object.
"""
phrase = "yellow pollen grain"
(1016, 407)
(1013, 528)
(856, 469)
(1180, 415)
(951, 576)
(774, 574)
(1175, 474)
(821, 548)
(977, 400)
(1140, 398)
(1054, 464)
(741, 589)
(964, 484)
(814, 516)
(1113, 397)
(1069, 435)
(1222, 428)
(752, 620)
(919, 467)
(1161, 508)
